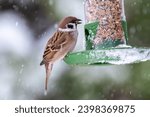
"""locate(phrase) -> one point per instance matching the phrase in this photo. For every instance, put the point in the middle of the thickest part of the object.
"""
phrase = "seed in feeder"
(108, 13)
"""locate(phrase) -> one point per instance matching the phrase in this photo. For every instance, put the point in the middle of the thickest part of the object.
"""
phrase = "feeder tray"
(110, 50)
(116, 56)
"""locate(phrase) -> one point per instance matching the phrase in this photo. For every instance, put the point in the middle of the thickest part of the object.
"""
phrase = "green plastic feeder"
(109, 51)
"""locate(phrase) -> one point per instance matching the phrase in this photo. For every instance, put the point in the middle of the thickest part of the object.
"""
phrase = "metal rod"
(123, 11)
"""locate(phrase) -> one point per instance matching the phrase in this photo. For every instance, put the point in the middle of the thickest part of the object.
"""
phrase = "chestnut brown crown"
(67, 20)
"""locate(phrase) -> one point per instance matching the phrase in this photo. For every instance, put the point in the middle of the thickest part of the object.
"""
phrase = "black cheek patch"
(70, 26)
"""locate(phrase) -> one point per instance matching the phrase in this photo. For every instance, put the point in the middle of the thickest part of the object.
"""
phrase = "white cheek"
(66, 30)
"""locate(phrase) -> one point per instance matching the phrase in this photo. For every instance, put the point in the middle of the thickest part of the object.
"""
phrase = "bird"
(62, 42)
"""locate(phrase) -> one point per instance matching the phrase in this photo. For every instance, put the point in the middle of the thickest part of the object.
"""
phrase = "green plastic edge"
(97, 57)
(89, 57)
(90, 32)
(125, 29)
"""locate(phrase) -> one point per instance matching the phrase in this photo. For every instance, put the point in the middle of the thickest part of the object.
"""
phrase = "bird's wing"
(55, 44)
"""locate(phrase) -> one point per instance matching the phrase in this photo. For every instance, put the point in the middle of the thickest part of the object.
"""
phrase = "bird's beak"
(78, 21)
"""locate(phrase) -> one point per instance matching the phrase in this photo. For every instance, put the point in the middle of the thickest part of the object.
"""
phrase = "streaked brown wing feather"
(57, 42)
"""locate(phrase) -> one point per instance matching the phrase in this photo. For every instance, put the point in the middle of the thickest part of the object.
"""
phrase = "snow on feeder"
(106, 36)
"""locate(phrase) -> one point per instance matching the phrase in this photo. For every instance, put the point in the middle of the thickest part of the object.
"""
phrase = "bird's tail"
(48, 67)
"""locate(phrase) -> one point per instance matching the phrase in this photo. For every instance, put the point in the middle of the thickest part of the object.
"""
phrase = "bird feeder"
(106, 36)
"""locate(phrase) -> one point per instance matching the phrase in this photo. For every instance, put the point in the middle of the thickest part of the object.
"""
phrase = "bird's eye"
(70, 26)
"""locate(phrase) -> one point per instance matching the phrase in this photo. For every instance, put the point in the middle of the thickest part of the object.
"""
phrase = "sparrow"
(62, 42)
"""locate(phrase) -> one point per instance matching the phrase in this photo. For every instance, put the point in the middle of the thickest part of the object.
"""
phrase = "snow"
(15, 36)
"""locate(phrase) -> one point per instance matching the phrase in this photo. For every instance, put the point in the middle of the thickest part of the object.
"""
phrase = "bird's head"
(69, 23)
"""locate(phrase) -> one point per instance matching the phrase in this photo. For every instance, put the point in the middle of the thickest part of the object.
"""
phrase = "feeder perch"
(106, 36)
